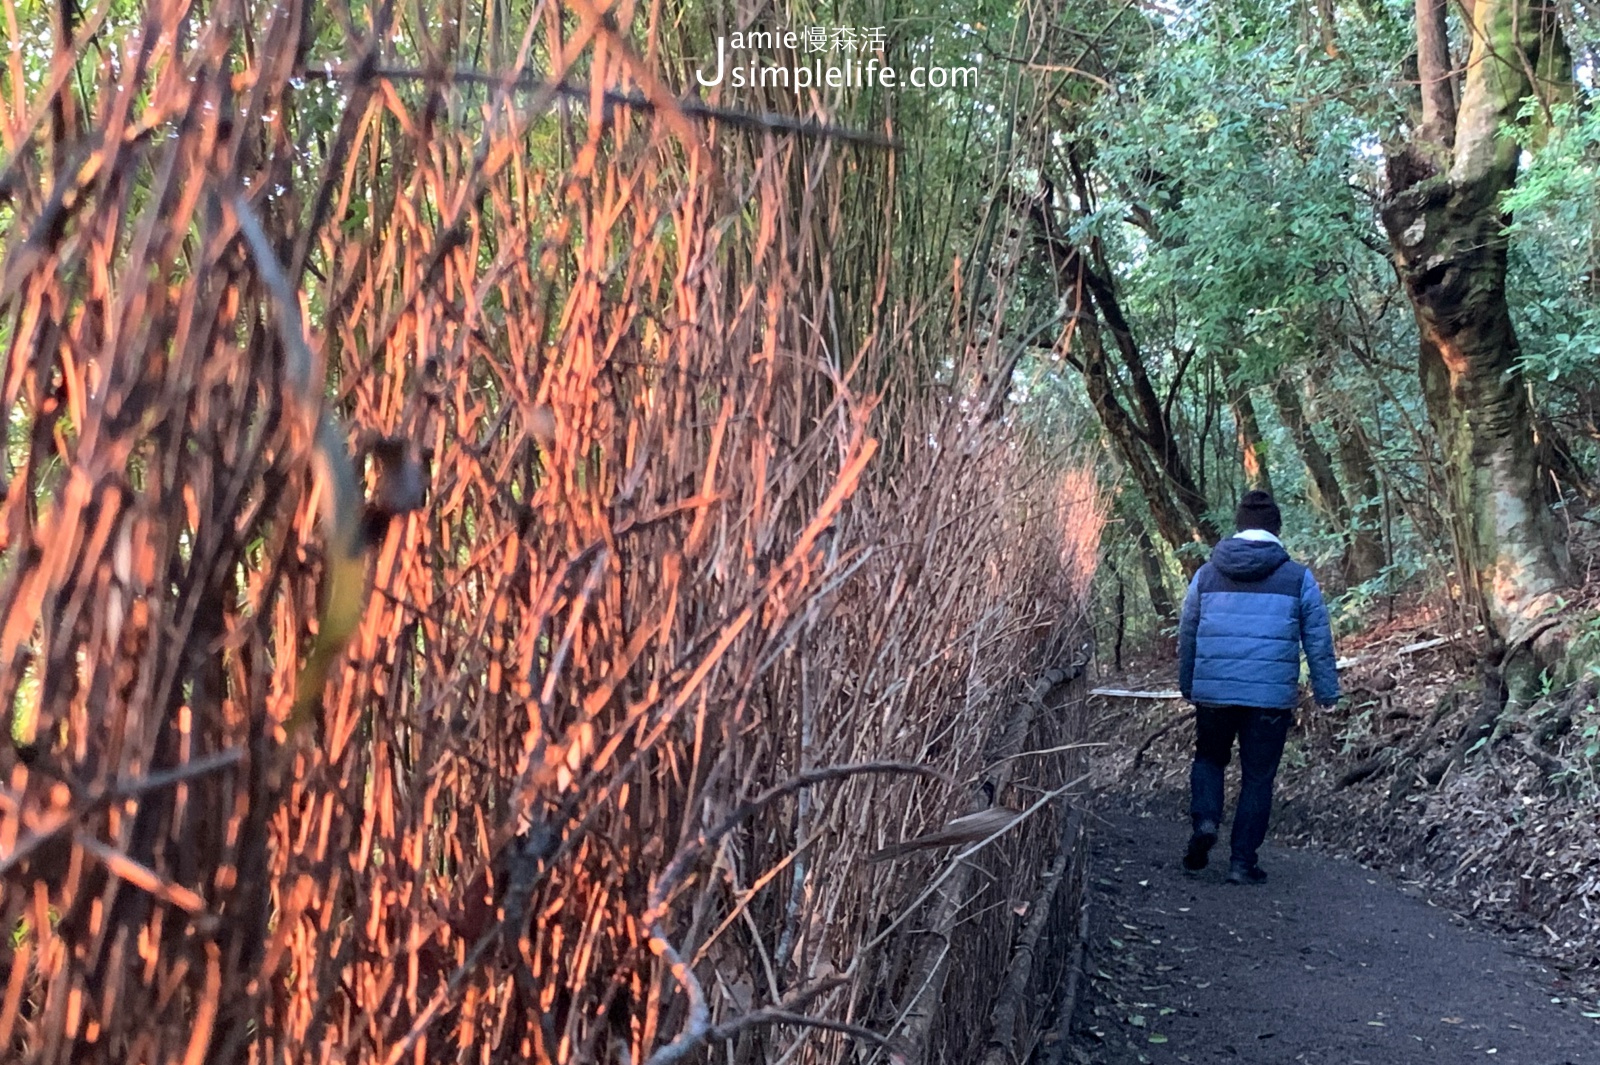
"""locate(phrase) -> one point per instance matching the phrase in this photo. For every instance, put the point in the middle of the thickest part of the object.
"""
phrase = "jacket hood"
(1247, 560)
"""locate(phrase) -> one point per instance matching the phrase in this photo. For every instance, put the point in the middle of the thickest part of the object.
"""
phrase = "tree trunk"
(1171, 467)
(1433, 74)
(1098, 292)
(1364, 558)
(1120, 616)
(1175, 522)
(1149, 446)
(1449, 239)
(1252, 448)
(1328, 496)
(1155, 577)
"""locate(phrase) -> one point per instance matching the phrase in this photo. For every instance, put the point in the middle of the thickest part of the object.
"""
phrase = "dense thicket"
(693, 557)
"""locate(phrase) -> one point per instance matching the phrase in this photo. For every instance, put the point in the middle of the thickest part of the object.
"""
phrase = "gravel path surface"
(1328, 963)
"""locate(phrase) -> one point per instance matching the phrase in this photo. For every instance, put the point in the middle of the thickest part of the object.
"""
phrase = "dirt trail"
(1328, 962)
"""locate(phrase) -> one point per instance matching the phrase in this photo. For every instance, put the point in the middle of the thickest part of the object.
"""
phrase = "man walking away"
(1248, 613)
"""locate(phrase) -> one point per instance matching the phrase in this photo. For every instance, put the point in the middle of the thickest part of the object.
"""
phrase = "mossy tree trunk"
(1448, 232)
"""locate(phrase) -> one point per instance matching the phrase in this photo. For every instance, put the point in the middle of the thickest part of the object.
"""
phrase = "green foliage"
(1240, 147)
(1555, 259)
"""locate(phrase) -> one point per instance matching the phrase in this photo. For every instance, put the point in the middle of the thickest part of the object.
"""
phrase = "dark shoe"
(1239, 873)
(1200, 844)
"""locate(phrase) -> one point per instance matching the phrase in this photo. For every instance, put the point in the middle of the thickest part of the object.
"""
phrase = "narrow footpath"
(1328, 963)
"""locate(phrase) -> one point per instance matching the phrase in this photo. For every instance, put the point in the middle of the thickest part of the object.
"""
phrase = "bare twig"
(528, 81)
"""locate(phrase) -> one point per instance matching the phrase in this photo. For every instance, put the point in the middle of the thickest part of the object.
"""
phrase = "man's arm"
(1188, 625)
(1316, 636)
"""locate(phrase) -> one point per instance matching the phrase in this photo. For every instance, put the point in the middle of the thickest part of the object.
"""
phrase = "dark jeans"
(1261, 736)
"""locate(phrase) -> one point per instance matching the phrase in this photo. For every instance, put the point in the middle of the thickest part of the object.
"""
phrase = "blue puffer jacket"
(1247, 615)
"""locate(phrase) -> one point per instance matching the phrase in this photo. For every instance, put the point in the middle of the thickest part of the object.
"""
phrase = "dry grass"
(692, 618)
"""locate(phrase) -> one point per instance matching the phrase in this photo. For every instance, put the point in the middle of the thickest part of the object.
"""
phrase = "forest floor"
(1409, 917)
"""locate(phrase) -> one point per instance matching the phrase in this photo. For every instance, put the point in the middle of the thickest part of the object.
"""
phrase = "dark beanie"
(1257, 510)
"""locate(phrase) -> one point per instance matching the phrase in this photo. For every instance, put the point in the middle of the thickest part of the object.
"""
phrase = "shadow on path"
(1328, 963)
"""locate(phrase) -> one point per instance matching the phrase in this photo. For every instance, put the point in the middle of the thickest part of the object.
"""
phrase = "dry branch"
(932, 962)
(1008, 1000)
(1067, 1004)
(580, 93)
(1149, 741)
(1118, 693)
(1410, 648)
